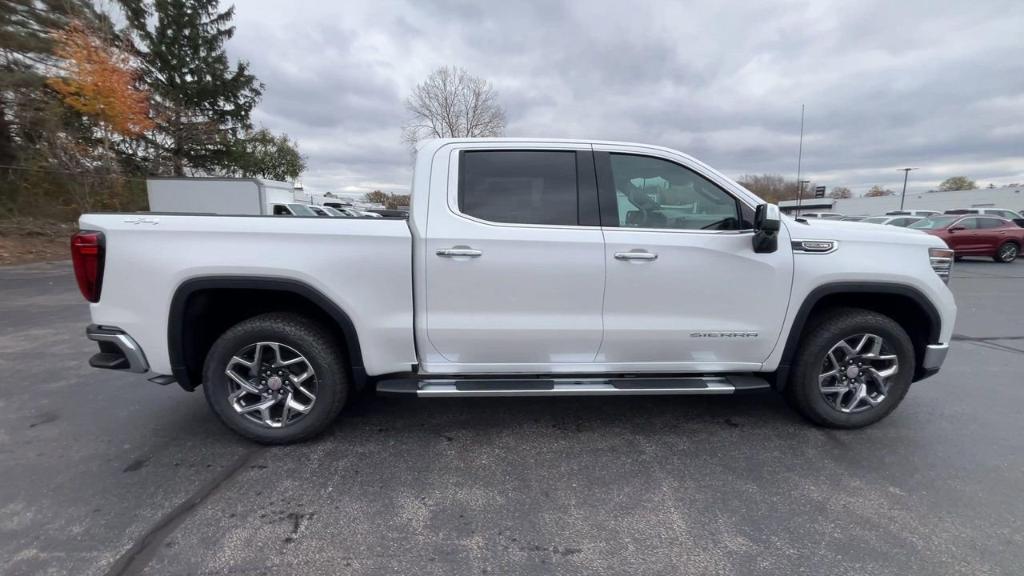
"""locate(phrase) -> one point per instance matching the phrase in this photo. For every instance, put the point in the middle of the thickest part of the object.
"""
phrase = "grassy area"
(32, 240)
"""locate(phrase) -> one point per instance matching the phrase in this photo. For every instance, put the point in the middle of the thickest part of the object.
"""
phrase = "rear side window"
(989, 223)
(519, 187)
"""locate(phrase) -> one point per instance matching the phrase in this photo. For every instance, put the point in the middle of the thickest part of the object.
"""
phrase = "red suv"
(976, 235)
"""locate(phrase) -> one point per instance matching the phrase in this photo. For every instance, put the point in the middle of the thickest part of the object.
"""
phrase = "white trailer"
(228, 196)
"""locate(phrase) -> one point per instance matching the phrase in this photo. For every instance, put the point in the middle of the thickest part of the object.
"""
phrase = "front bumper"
(934, 356)
(118, 351)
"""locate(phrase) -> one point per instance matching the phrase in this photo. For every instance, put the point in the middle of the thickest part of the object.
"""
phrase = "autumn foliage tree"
(100, 83)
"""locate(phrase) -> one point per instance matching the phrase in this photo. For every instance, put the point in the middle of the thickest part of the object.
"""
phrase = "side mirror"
(766, 228)
(956, 228)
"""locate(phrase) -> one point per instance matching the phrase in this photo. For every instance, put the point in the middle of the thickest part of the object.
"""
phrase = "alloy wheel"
(271, 384)
(855, 373)
(1008, 252)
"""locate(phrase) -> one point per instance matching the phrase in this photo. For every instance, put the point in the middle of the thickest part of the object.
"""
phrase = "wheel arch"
(905, 304)
(203, 308)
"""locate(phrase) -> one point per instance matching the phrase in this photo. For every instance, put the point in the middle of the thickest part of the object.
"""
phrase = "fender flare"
(176, 318)
(832, 288)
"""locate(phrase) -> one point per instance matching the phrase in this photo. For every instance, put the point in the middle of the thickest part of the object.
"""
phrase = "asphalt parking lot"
(105, 473)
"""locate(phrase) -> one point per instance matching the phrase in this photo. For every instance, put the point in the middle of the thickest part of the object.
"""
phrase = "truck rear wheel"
(276, 378)
(853, 368)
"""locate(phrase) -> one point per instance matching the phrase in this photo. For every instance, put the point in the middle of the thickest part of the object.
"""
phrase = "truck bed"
(364, 266)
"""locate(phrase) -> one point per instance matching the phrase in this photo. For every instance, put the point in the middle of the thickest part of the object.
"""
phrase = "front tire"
(1007, 253)
(276, 378)
(853, 368)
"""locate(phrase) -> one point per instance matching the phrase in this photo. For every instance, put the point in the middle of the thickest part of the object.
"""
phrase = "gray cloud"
(936, 85)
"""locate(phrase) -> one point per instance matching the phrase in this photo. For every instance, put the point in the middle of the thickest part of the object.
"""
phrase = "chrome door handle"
(453, 252)
(635, 256)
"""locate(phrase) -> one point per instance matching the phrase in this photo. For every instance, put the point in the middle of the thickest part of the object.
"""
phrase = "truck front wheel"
(276, 378)
(853, 368)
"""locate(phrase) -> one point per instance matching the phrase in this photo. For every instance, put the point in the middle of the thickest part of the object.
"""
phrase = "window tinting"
(655, 193)
(969, 223)
(519, 187)
(989, 223)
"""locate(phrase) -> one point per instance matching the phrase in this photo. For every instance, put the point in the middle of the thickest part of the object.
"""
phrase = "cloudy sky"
(930, 84)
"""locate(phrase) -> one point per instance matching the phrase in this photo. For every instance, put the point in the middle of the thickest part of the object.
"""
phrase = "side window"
(280, 210)
(1005, 214)
(969, 223)
(990, 223)
(655, 193)
(519, 187)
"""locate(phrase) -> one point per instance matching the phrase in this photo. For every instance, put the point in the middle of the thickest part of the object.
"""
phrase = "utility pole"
(799, 158)
(800, 194)
(906, 173)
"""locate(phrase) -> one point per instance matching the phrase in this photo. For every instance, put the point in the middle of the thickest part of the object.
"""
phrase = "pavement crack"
(141, 552)
(990, 342)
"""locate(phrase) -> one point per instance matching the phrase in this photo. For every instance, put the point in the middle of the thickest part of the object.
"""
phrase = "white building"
(1005, 197)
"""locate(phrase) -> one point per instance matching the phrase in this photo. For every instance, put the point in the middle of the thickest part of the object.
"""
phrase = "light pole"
(906, 173)
(800, 194)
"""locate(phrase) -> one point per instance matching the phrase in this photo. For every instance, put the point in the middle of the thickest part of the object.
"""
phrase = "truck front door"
(685, 290)
(514, 270)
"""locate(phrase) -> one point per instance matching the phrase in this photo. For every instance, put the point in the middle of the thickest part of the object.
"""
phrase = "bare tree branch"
(451, 103)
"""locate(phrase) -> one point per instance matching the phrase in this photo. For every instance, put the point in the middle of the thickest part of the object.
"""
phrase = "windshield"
(934, 222)
(876, 220)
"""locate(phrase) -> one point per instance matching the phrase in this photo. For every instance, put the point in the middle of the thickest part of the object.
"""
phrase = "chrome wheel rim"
(856, 372)
(271, 384)
(1008, 252)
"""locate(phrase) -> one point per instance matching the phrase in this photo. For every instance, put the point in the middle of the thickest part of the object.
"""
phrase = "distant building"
(1005, 197)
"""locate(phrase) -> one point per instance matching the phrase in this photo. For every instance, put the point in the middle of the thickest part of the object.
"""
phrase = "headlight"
(942, 262)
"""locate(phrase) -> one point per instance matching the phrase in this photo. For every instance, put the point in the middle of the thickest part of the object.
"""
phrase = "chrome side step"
(634, 386)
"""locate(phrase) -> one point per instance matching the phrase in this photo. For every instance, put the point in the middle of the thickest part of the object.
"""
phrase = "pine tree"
(201, 105)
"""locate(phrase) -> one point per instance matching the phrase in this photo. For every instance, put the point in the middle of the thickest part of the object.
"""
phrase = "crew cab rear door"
(685, 290)
(514, 261)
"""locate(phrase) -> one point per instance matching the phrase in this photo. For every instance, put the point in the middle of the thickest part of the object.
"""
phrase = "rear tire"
(276, 378)
(1007, 252)
(837, 378)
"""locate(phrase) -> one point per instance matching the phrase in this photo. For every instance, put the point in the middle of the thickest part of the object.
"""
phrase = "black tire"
(1007, 252)
(822, 334)
(306, 337)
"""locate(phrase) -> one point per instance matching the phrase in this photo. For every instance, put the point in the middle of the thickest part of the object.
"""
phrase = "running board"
(636, 386)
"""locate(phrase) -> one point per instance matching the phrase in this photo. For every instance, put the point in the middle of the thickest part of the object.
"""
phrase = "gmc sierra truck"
(526, 268)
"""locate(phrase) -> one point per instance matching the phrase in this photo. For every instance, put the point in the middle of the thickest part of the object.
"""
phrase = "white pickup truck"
(526, 268)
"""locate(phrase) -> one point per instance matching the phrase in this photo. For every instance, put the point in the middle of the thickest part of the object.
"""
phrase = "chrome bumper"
(934, 356)
(117, 350)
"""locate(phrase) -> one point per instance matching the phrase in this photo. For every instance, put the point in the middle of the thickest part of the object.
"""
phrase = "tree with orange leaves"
(100, 83)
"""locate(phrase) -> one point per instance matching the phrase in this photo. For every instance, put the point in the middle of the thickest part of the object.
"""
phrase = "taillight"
(87, 257)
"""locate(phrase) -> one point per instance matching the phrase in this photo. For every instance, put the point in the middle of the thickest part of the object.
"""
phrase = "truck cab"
(526, 267)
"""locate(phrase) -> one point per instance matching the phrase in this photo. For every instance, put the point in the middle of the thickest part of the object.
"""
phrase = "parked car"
(990, 236)
(292, 209)
(901, 221)
(912, 213)
(1010, 215)
(334, 212)
(616, 269)
(348, 210)
(388, 213)
(320, 211)
(822, 215)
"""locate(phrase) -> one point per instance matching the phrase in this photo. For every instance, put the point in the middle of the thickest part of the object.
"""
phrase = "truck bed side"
(364, 267)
